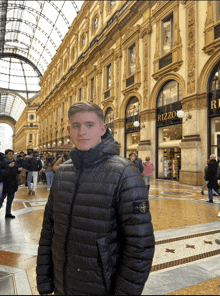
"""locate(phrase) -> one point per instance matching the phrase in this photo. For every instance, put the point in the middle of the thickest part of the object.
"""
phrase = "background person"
(9, 182)
(147, 172)
(211, 177)
(136, 161)
(3, 172)
(34, 165)
(97, 237)
(48, 169)
(64, 157)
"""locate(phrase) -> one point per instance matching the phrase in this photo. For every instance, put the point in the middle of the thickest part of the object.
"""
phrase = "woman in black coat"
(211, 177)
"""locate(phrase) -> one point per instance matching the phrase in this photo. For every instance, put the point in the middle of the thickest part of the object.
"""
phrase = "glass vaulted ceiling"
(30, 33)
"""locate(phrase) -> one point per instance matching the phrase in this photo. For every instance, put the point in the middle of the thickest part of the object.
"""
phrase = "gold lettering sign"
(167, 115)
(213, 105)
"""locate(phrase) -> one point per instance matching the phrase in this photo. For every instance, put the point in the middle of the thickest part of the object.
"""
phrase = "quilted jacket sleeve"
(44, 268)
(137, 234)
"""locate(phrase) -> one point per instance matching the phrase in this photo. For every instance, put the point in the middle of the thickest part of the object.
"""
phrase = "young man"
(97, 237)
(9, 181)
(136, 161)
(34, 165)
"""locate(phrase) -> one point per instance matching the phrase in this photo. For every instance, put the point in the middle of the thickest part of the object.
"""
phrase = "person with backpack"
(34, 165)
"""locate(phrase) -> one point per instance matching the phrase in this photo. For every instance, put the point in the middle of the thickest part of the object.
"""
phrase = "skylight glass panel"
(35, 35)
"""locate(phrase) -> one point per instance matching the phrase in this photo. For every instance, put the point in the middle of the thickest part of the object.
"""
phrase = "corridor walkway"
(186, 260)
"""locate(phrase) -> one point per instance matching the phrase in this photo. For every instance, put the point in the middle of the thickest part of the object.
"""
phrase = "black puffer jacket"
(34, 164)
(97, 236)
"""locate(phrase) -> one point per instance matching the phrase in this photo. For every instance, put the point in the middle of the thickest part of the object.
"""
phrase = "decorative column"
(144, 147)
(118, 79)
(191, 146)
(99, 84)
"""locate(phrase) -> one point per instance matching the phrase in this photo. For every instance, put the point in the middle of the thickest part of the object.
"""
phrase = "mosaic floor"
(186, 260)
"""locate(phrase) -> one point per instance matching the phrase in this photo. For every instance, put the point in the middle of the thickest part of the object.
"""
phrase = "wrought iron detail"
(130, 81)
(21, 58)
(165, 61)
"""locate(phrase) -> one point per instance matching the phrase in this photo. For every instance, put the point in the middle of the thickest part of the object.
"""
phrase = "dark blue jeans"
(210, 194)
(10, 197)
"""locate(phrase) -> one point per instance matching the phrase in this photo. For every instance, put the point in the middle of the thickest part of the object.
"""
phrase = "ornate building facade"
(141, 62)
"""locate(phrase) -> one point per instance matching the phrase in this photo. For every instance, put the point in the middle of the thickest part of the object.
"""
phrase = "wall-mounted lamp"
(136, 123)
(68, 140)
(180, 114)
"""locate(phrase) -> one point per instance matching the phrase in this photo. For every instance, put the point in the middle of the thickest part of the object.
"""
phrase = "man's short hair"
(8, 150)
(21, 152)
(85, 106)
(35, 153)
(212, 156)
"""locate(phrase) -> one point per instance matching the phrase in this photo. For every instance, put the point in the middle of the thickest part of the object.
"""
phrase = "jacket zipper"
(68, 230)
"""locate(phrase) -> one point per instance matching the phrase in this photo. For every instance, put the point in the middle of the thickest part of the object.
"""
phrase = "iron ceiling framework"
(30, 33)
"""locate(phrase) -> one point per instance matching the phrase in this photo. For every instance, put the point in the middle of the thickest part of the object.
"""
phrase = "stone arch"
(8, 120)
(157, 87)
(109, 105)
(206, 72)
(125, 102)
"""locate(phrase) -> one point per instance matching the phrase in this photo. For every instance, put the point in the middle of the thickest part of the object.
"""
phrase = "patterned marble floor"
(186, 260)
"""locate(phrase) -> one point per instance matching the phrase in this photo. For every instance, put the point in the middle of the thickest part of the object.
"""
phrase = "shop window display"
(132, 132)
(169, 131)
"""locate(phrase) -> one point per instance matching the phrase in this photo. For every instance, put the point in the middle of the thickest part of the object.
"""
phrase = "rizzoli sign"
(214, 103)
(167, 115)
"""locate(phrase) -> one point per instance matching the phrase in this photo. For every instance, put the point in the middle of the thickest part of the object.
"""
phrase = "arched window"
(83, 40)
(132, 108)
(95, 23)
(112, 3)
(109, 118)
(170, 93)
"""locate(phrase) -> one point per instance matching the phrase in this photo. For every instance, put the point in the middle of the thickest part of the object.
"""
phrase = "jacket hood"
(107, 147)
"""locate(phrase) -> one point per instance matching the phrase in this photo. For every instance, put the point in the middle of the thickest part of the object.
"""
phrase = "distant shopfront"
(214, 111)
(132, 127)
(168, 132)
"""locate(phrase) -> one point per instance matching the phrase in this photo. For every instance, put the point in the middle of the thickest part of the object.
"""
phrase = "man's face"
(85, 130)
(10, 155)
(132, 157)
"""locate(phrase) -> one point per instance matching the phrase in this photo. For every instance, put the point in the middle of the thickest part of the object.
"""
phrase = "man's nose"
(82, 130)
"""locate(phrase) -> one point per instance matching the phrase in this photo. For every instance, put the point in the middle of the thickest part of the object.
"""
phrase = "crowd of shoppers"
(31, 167)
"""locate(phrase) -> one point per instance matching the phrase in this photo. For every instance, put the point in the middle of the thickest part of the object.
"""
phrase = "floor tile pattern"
(210, 286)
(186, 260)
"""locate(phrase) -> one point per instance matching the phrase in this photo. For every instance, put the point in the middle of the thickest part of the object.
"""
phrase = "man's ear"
(68, 128)
(103, 129)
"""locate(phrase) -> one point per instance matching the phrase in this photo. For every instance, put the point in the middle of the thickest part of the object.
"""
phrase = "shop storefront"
(214, 112)
(132, 127)
(169, 132)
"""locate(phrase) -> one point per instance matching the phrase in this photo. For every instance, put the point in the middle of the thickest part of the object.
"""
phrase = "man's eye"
(89, 125)
(76, 126)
